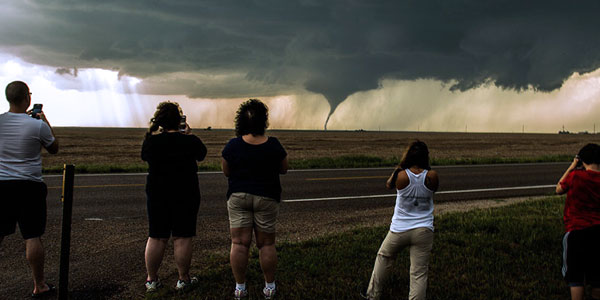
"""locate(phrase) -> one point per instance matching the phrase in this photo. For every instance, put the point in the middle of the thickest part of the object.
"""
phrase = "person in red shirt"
(581, 243)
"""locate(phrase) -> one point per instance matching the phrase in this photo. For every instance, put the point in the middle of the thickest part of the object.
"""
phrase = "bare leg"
(577, 292)
(34, 252)
(267, 254)
(183, 256)
(155, 250)
(240, 245)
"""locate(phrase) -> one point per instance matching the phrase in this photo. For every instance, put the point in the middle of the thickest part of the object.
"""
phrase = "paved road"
(122, 195)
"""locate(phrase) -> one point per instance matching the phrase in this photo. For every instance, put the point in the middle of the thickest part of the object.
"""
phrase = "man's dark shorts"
(581, 257)
(23, 202)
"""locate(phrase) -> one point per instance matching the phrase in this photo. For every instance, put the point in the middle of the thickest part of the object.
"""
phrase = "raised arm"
(559, 188)
(52, 148)
(432, 181)
(391, 182)
(201, 152)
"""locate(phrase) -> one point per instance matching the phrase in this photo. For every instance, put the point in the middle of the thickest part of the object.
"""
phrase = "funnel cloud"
(230, 49)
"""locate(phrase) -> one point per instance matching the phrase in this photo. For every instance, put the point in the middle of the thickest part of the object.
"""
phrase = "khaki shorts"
(247, 210)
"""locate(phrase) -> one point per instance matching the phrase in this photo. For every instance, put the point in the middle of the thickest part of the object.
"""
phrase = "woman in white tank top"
(412, 223)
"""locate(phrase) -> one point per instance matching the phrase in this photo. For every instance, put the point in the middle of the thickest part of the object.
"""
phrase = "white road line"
(438, 167)
(441, 192)
(529, 187)
(329, 170)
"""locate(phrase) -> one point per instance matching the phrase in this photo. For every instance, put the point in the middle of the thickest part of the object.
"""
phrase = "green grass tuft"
(125, 168)
(511, 252)
(352, 161)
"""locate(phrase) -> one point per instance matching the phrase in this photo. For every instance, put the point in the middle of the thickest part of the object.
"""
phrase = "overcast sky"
(306, 57)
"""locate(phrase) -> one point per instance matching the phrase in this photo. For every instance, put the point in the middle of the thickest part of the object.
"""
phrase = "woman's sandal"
(51, 290)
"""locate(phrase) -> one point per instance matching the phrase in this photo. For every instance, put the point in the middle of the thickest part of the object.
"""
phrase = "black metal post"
(65, 246)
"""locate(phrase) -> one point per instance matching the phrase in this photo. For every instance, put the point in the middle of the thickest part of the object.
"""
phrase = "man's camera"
(37, 109)
(579, 162)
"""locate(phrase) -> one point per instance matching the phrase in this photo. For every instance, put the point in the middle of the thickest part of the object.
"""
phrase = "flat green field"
(118, 149)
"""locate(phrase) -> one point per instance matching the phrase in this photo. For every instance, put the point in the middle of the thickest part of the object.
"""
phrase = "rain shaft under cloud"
(266, 48)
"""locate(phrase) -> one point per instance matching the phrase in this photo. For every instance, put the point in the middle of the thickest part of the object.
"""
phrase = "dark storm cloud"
(235, 48)
(66, 71)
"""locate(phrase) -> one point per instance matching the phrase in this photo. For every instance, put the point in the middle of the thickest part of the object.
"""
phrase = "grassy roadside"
(511, 252)
(353, 161)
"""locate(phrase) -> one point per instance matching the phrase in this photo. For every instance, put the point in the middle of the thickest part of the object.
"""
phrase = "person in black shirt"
(173, 195)
(252, 162)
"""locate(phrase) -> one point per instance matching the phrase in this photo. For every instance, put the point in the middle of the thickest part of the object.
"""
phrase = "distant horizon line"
(350, 130)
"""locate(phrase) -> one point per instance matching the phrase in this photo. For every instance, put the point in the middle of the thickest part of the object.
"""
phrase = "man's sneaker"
(184, 286)
(239, 294)
(152, 286)
(363, 295)
(269, 293)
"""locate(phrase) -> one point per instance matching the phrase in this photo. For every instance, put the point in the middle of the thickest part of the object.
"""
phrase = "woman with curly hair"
(173, 195)
(252, 162)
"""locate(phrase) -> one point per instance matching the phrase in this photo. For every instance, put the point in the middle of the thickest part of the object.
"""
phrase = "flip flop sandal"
(51, 290)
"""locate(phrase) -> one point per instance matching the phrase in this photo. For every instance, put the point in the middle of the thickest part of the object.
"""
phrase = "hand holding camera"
(578, 162)
(183, 126)
(36, 111)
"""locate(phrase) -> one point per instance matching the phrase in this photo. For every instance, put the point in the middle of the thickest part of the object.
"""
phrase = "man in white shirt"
(23, 199)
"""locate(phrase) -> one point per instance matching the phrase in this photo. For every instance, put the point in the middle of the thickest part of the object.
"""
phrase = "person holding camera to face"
(581, 242)
(173, 194)
(412, 223)
(22, 135)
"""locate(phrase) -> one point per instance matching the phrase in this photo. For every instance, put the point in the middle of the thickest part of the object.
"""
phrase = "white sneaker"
(152, 286)
(269, 293)
(239, 294)
(184, 286)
